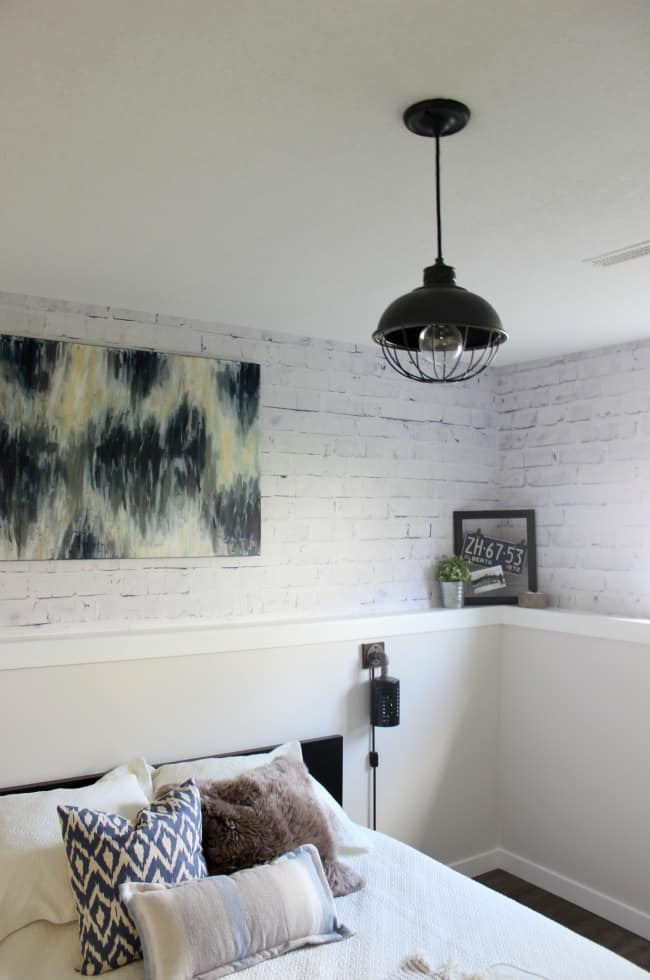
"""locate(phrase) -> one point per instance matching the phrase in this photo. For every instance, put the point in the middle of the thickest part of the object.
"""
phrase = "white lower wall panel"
(524, 737)
(437, 776)
(574, 748)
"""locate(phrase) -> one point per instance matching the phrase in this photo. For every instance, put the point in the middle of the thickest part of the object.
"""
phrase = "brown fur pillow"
(264, 813)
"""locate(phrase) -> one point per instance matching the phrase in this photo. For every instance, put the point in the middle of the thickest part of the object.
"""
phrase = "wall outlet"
(369, 650)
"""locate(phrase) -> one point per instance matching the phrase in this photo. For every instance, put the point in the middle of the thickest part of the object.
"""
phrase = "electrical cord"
(373, 756)
(373, 760)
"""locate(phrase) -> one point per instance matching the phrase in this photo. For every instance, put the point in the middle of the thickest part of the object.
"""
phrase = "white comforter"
(410, 903)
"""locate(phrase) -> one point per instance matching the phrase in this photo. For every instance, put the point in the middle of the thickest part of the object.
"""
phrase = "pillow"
(262, 814)
(221, 925)
(34, 877)
(141, 770)
(226, 768)
(349, 837)
(104, 850)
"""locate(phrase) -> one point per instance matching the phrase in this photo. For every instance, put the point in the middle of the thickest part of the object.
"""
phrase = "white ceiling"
(245, 160)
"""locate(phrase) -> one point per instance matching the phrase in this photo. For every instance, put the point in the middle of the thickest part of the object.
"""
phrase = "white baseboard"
(478, 864)
(609, 908)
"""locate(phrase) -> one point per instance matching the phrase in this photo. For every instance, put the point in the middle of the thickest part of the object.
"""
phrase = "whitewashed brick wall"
(361, 471)
(575, 438)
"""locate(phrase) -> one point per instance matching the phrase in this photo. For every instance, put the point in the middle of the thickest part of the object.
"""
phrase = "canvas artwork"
(117, 453)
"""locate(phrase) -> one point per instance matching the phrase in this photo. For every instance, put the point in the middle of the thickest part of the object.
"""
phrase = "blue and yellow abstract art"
(116, 453)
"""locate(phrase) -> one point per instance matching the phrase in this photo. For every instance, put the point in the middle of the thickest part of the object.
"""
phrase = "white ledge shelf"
(58, 646)
(625, 629)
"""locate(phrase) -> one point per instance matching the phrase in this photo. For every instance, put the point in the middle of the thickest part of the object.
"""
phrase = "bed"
(410, 904)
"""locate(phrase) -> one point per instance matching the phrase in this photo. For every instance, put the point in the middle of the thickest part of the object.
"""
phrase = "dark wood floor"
(625, 943)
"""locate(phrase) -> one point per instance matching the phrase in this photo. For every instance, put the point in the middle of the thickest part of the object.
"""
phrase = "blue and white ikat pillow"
(105, 850)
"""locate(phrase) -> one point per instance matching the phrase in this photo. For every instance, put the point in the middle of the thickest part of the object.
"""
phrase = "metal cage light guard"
(439, 332)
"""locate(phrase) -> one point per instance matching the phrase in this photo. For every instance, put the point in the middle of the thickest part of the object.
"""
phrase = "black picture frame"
(468, 521)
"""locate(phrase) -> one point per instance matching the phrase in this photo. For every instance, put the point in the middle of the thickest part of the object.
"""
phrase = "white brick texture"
(575, 442)
(361, 471)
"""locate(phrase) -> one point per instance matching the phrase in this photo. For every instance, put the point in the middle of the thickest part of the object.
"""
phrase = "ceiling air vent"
(621, 254)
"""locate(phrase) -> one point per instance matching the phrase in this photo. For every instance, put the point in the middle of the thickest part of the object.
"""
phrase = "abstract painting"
(117, 453)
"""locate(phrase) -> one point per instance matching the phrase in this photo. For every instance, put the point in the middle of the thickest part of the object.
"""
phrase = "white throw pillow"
(140, 769)
(229, 767)
(349, 837)
(34, 875)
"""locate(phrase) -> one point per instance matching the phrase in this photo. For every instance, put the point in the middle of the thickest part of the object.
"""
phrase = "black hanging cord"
(438, 215)
(373, 760)
(374, 756)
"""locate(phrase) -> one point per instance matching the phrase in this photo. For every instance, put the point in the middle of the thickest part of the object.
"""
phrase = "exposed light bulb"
(441, 345)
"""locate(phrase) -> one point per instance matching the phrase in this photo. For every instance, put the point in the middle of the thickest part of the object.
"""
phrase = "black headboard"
(323, 757)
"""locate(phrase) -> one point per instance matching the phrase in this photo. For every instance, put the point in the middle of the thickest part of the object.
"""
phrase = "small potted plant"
(452, 572)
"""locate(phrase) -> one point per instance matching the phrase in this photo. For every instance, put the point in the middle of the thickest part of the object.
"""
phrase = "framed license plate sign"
(500, 548)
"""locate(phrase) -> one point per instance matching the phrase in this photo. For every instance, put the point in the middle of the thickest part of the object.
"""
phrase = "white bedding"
(410, 903)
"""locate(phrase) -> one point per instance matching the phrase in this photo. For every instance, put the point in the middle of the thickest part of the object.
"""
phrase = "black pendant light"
(439, 332)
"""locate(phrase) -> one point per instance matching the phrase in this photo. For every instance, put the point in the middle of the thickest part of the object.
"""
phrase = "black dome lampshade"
(439, 332)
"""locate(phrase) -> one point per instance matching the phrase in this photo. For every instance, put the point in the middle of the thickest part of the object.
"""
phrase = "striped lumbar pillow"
(223, 924)
(105, 850)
